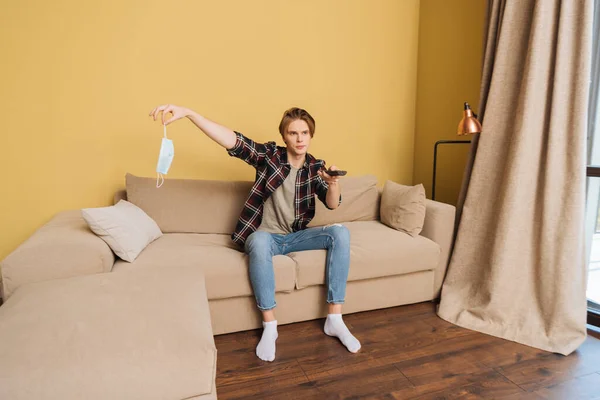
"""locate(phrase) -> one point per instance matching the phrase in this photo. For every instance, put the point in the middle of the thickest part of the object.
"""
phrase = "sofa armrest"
(439, 227)
(64, 247)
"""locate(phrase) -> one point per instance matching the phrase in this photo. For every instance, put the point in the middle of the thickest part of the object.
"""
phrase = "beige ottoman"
(142, 334)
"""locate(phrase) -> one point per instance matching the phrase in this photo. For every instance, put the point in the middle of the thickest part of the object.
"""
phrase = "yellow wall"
(449, 73)
(78, 79)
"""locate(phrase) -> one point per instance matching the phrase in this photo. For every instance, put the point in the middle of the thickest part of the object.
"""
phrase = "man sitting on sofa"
(277, 211)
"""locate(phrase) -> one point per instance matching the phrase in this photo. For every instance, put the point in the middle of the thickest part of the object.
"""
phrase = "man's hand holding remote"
(331, 175)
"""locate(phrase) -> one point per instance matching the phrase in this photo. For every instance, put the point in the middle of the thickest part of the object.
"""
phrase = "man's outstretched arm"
(220, 134)
(236, 144)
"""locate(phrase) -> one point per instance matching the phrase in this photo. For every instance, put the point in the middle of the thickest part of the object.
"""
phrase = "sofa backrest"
(189, 205)
(360, 202)
(205, 206)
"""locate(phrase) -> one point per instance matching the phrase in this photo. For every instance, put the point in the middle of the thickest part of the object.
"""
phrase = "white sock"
(266, 347)
(334, 326)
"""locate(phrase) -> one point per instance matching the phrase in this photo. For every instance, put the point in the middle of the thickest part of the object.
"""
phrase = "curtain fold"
(518, 266)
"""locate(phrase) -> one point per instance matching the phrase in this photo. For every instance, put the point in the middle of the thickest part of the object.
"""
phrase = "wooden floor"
(407, 353)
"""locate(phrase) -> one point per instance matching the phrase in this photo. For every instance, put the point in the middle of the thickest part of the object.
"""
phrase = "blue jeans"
(262, 246)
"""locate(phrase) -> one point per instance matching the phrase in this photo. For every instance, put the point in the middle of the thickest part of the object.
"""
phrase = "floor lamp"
(468, 125)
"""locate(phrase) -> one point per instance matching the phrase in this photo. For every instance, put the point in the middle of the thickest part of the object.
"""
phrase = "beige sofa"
(136, 335)
(388, 267)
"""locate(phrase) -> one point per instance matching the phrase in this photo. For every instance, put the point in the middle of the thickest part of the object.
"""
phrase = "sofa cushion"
(126, 228)
(189, 205)
(360, 202)
(140, 335)
(225, 268)
(375, 251)
(403, 207)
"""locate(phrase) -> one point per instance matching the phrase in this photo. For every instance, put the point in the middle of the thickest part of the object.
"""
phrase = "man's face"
(297, 137)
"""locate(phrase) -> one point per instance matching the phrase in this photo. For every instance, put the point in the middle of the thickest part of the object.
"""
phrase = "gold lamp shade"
(469, 123)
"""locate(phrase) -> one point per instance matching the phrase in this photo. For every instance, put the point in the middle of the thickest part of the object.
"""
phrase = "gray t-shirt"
(279, 210)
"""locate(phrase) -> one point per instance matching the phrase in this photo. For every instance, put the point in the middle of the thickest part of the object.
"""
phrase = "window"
(592, 212)
(593, 244)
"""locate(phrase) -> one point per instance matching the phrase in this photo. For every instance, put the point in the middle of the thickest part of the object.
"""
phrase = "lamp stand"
(435, 161)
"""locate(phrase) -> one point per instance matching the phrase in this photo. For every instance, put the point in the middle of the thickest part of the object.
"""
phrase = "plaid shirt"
(272, 167)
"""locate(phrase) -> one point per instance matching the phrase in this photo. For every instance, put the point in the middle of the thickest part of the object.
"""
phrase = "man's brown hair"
(293, 114)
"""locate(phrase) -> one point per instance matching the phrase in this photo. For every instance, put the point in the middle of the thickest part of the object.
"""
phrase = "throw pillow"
(124, 227)
(403, 207)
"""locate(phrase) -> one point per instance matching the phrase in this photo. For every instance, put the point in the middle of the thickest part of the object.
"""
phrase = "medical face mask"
(165, 158)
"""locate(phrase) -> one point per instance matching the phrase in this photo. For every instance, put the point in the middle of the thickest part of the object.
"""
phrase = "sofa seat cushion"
(375, 251)
(225, 268)
(134, 335)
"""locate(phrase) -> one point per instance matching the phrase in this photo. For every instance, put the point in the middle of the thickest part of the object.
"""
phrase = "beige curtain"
(517, 270)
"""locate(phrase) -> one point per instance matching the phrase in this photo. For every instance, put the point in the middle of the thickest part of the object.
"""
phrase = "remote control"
(337, 172)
